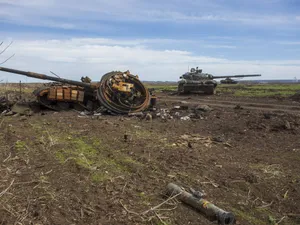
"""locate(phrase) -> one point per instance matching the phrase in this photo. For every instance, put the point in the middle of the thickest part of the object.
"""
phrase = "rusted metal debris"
(117, 93)
(4, 104)
(197, 201)
(8, 108)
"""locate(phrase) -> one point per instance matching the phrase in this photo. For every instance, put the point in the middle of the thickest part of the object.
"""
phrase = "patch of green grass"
(60, 156)
(20, 145)
(246, 90)
(262, 90)
(248, 216)
(99, 177)
(163, 87)
(285, 87)
(263, 93)
(92, 154)
(146, 200)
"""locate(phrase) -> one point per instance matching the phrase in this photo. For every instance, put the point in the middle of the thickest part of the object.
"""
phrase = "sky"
(158, 40)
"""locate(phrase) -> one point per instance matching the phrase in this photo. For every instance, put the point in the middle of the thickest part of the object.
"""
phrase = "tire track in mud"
(232, 104)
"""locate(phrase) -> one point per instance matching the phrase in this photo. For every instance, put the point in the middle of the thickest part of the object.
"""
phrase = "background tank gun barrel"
(197, 81)
(46, 77)
(236, 76)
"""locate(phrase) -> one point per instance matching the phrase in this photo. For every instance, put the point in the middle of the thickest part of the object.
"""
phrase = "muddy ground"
(63, 168)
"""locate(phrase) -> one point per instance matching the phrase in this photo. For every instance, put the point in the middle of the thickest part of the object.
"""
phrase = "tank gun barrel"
(46, 77)
(236, 76)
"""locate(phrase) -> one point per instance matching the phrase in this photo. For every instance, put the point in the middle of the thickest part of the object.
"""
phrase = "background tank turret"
(197, 81)
(228, 80)
(118, 92)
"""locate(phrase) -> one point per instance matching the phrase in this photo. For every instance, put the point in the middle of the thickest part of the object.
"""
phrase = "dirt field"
(63, 168)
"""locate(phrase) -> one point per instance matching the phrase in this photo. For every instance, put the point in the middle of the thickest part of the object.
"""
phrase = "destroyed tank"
(196, 81)
(117, 92)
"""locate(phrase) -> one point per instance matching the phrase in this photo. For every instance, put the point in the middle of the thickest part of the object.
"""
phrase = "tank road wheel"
(211, 91)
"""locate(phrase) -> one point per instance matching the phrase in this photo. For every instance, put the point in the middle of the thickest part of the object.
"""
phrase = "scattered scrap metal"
(8, 108)
(3, 104)
(197, 201)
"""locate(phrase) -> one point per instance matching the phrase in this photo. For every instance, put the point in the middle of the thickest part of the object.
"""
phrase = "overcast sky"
(158, 40)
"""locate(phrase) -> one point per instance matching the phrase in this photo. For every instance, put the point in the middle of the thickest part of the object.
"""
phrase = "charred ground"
(63, 168)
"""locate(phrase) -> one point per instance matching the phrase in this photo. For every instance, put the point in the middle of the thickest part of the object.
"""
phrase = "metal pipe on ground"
(211, 211)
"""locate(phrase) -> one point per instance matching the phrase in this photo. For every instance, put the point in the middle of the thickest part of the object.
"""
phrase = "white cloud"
(73, 58)
(85, 15)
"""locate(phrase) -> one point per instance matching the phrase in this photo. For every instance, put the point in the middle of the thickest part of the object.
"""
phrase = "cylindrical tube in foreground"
(208, 209)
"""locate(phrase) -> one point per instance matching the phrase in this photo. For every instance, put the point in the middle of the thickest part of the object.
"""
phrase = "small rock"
(288, 125)
(183, 102)
(148, 117)
(108, 122)
(10, 113)
(177, 114)
(85, 113)
(181, 107)
(217, 139)
(195, 116)
(204, 108)
(137, 114)
(185, 118)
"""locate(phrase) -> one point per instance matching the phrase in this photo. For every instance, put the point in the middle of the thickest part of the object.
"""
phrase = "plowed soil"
(63, 168)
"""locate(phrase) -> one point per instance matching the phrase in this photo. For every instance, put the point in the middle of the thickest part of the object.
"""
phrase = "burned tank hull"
(117, 92)
(61, 97)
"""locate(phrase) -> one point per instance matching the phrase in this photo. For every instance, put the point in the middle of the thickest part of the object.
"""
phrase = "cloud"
(89, 14)
(73, 58)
